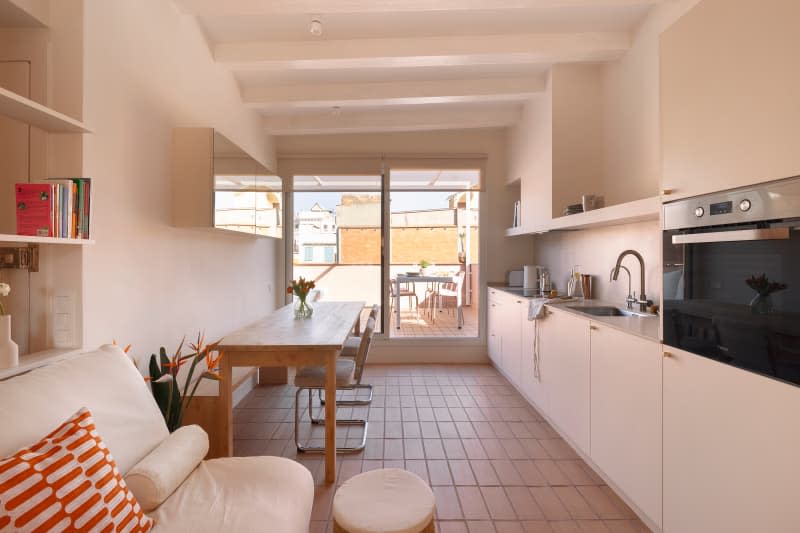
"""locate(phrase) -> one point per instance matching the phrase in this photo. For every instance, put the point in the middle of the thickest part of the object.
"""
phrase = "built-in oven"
(732, 277)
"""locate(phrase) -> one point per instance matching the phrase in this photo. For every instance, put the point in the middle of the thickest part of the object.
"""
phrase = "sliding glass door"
(407, 241)
(434, 240)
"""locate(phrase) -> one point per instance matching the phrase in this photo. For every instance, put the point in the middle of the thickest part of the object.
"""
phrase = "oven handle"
(736, 235)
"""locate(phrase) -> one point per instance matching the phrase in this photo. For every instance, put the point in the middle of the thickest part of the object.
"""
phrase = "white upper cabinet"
(730, 96)
(731, 449)
(626, 414)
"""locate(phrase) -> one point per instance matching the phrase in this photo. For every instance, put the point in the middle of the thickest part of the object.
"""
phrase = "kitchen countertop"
(645, 327)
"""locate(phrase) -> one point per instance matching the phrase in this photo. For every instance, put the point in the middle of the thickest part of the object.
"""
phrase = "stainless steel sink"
(607, 310)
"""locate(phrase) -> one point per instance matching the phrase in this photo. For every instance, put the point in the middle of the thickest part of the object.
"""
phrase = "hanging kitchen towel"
(536, 307)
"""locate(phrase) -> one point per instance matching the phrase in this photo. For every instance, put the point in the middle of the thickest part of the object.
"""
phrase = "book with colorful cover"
(34, 207)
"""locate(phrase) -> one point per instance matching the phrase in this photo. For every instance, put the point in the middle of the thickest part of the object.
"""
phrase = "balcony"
(363, 282)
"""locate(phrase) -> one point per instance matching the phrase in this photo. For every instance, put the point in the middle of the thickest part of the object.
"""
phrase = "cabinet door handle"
(667, 191)
(667, 354)
(593, 328)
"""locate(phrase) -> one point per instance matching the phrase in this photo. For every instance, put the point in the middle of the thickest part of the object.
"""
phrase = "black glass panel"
(736, 302)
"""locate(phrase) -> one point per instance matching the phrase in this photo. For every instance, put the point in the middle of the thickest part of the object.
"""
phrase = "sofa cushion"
(67, 482)
(240, 494)
(157, 476)
(106, 382)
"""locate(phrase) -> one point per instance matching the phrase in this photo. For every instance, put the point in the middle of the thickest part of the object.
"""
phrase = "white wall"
(148, 69)
(631, 114)
(596, 251)
(630, 169)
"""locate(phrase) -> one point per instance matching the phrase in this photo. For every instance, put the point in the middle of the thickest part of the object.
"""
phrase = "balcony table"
(281, 340)
(404, 278)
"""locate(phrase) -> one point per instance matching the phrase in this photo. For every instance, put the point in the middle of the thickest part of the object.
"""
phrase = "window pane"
(438, 229)
(344, 228)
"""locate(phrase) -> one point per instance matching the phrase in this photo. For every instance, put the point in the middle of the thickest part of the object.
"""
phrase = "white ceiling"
(398, 65)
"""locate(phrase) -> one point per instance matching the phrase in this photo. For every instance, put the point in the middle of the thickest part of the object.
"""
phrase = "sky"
(401, 201)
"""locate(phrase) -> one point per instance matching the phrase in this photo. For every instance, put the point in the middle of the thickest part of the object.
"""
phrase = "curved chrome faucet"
(642, 300)
(629, 299)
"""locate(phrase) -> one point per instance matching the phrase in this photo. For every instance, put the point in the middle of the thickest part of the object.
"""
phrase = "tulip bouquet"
(173, 398)
(300, 288)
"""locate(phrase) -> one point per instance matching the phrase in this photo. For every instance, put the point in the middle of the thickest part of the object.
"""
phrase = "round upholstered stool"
(387, 500)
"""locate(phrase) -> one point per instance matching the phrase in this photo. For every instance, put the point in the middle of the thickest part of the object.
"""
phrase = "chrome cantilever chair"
(351, 349)
(348, 378)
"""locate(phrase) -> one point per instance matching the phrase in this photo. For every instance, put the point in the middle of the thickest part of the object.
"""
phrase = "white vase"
(9, 351)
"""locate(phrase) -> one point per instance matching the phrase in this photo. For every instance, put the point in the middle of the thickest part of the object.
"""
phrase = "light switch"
(63, 319)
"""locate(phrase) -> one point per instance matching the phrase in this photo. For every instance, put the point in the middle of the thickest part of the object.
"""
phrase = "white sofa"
(232, 494)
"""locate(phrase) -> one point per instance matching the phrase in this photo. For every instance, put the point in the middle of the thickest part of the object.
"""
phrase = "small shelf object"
(18, 107)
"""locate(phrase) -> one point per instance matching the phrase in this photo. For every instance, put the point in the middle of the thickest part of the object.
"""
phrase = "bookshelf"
(40, 61)
(20, 108)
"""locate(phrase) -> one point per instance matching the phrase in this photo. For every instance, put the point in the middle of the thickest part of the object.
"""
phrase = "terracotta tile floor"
(494, 464)
(445, 325)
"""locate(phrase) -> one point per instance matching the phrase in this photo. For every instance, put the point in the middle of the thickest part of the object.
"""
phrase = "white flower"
(5, 289)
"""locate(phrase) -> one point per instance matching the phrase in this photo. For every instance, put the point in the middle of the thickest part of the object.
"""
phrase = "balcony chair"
(453, 290)
(348, 378)
(411, 292)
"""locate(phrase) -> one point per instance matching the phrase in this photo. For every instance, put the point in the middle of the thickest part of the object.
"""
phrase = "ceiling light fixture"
(316, 27)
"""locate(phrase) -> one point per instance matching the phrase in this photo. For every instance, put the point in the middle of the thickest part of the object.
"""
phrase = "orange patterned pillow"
(68, 481)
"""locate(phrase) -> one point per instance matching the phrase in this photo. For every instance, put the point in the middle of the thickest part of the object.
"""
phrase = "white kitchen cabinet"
(494, 326)
(532, 383)
(512, 340)
(565, 349)
(723, 128)
(731, 449)
(626, 414)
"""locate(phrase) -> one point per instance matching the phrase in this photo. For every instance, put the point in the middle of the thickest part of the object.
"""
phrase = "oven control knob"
(699, 212)
(745, 205)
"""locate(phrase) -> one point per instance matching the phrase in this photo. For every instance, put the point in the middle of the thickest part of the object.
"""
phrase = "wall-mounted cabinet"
(729, 96)
(218, 185)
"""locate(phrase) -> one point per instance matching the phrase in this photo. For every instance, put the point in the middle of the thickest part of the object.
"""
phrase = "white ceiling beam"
(321, 7)
(392, 120)
(424, 51)
(327, 95)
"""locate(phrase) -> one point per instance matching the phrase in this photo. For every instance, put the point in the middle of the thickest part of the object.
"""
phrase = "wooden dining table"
(281, 340)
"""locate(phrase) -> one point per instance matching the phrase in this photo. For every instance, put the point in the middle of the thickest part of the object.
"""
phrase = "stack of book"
(54, 208)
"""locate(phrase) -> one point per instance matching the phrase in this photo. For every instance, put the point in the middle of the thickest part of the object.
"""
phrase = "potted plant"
(300, 289)
(173, 399)
(424, 267)
(9, 351)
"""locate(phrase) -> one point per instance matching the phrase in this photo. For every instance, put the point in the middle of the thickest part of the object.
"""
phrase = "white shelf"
(7, 237)
(627, 213)
(20, 108)
(636, 211)
(38, 359)
(513, 232)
